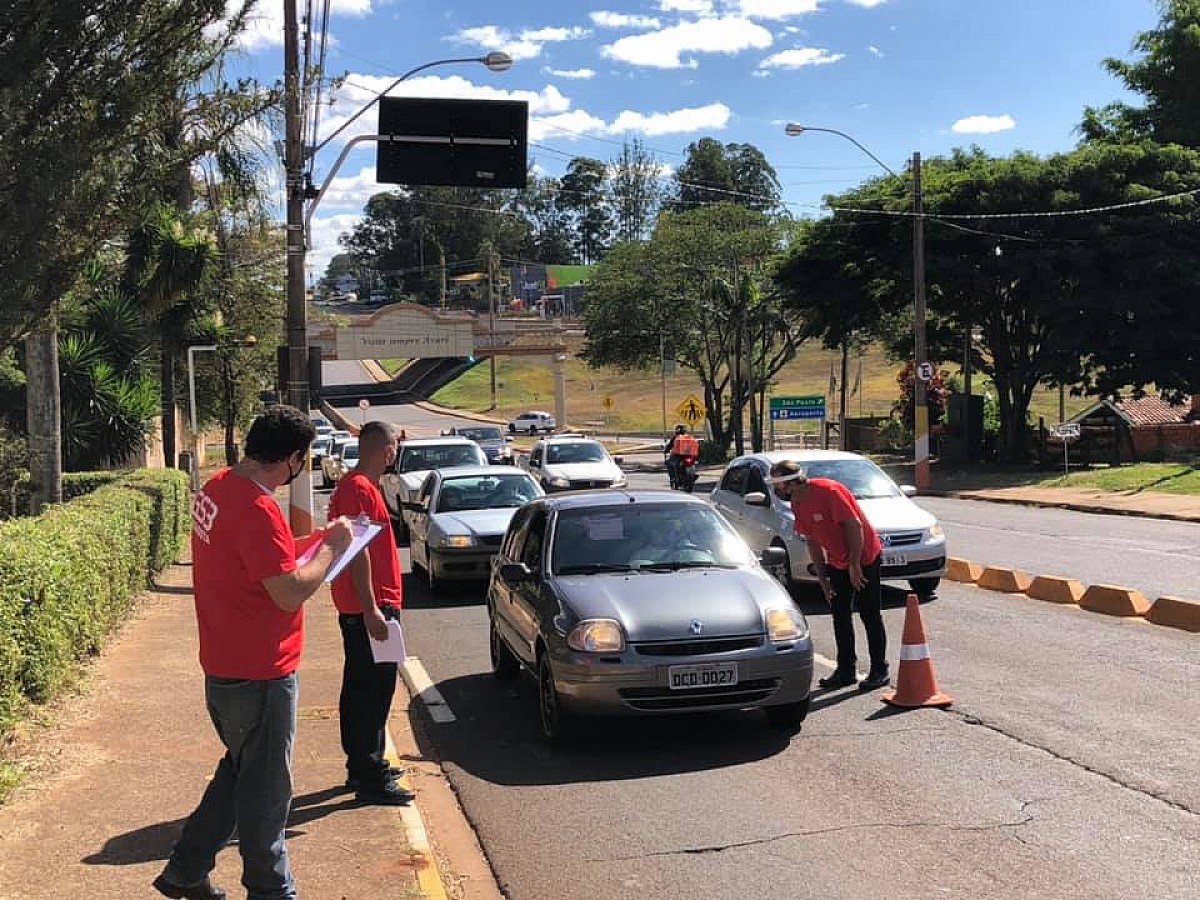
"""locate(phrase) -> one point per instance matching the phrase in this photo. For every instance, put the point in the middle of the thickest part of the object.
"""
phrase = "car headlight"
(597, 636)
(936, 531)
(786, 625)
(455, 542)
(558, 481)
(620, 481)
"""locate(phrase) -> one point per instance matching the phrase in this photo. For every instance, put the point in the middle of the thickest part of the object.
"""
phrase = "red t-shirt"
(356, 495)
(239, 539)
(829, 503)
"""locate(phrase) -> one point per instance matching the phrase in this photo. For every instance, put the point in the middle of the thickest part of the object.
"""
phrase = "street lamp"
(296, 156)
(921, 408)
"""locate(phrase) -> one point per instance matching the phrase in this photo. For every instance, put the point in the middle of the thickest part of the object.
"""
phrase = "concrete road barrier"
(1114, 601)
(963, 570)
(1056, 590)
(1010, 581)
(1175, 612)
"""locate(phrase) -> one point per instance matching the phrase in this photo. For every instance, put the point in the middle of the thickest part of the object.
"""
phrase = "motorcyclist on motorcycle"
(682, 451)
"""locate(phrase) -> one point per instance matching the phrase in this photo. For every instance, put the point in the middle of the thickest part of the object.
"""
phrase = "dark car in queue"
(642, 602)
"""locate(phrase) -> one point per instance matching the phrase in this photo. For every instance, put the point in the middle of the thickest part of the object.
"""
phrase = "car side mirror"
(758, 498)
(516, 572)
(774, 557)
(908, 490)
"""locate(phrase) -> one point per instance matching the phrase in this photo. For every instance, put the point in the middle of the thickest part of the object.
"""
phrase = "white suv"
(572, 464)
(532, 422)
(415, 459)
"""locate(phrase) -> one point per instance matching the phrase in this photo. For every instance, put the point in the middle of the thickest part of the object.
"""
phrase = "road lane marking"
(421, 687)
(429, 878)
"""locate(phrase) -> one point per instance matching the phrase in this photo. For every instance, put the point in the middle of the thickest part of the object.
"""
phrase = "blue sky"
(898, 75)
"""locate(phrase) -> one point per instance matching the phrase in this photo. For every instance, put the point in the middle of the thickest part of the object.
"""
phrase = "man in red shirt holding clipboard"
(250, 593)
(845, 551)
(367, 595)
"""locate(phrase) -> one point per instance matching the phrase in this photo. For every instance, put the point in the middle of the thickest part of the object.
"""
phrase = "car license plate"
(891, 560)
(683, 678)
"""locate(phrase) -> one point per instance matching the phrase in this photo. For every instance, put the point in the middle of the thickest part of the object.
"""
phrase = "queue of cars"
(632, 602)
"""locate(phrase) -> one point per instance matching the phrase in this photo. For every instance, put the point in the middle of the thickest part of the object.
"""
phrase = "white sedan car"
(914, 546)
(459, 519)
(414, 461)
(572, 463)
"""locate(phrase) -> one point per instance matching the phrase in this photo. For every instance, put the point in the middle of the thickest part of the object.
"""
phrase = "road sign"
(925, 371)
(364, 404)
(691, 410)
(607, 401)
(1066, 430)
(809, 407)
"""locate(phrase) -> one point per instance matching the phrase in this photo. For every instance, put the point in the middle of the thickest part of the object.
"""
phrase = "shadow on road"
(454, 593)
(497, 739)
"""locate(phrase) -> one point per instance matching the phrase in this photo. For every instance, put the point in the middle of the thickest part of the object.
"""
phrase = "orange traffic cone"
(916, 684)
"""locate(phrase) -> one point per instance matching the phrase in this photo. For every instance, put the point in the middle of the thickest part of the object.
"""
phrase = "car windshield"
(582, 452)
(644, 536)
(481, 434)
(485, 492)
(865, 480)
(321, 445)
(440, 456)
(350, 451)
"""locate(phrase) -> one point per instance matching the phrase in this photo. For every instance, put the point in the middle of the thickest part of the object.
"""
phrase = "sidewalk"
(129, 758)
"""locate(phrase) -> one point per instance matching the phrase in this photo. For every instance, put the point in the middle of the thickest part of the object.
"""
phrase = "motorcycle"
(683, 474)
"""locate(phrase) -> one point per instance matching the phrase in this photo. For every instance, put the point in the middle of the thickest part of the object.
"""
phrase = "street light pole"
(921, 408)
(295, 157)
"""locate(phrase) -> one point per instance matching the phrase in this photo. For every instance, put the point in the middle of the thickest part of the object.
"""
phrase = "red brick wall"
(1158, 441)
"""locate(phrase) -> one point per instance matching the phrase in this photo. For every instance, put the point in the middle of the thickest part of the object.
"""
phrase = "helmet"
(681, 429)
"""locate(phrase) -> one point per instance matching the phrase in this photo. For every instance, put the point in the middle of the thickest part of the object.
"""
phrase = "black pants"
(867, 600)
(366, 700)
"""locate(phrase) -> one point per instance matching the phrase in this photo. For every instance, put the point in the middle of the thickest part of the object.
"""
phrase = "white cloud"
(776, 9)
(875, 51)
(566, 126)
(715, 116)
(326, 230)
(869, 4)
(571, 73)
(983, 124)
(265, 22)
(699, 7)
(525, 45)
(663, 49)
(800, 57)
(604, 19)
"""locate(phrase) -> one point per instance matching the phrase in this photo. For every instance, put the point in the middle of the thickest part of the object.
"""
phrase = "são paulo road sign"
(810, 407)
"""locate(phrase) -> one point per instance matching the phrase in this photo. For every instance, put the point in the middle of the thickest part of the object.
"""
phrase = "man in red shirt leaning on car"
(250, 595)
(846, 553)
(367, 595)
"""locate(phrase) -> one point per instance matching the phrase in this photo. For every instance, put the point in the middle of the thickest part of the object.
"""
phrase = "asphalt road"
(1066, 768)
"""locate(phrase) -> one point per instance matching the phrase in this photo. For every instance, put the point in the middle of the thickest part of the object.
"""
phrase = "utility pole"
(921, 410)
(301, 499)
(491, 283)
(844, 392)
(966, 414)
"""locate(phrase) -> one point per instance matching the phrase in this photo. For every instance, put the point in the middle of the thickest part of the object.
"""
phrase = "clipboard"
(364, 532)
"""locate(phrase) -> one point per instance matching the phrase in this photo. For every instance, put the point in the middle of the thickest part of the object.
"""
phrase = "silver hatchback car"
(642, 602)
(914, 547)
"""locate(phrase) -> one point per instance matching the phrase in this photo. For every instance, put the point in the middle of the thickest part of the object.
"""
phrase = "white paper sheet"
(363, 533)
(391, 650)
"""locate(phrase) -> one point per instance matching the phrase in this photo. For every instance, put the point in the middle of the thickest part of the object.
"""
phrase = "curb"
(429, 876)
(1105, 599)
(1062, 504)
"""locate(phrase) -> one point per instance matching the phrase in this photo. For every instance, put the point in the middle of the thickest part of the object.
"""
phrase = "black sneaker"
(876, 678)
(391, 773)
(201, 890)
(838, 680)
(387, 794)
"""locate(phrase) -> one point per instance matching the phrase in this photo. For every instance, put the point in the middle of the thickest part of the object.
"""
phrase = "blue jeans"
(250, 791)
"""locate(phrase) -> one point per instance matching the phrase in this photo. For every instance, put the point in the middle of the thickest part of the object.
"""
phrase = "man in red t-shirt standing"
(250, 595)
(367, 595)
(845, 551)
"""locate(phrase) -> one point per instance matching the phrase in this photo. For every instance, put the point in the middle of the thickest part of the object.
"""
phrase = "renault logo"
(696, 627)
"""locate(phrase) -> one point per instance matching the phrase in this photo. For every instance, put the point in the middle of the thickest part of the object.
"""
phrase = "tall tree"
(726, 173)
(635, 190)
(550, 222)
(584, 192)
(1166, 74)
(81, 86)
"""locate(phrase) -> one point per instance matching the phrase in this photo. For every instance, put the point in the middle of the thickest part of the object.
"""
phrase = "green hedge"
(75, 484)
(70, 575)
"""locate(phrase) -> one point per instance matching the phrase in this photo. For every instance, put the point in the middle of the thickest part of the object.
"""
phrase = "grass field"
(527, 383)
